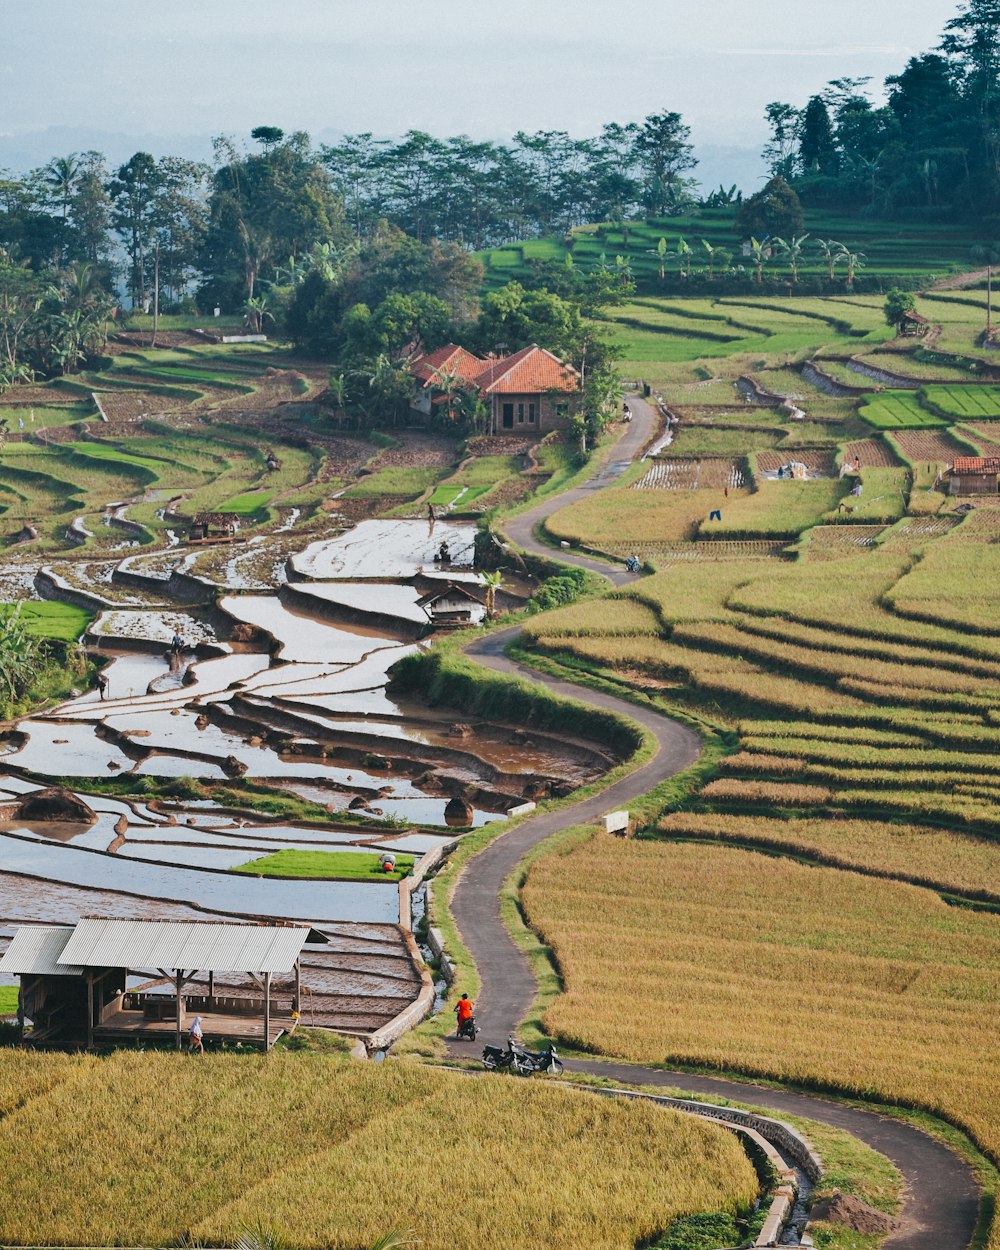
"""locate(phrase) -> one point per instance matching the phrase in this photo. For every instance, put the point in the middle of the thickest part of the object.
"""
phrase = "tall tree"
(817, 146)
(133, 192)
(664, 152)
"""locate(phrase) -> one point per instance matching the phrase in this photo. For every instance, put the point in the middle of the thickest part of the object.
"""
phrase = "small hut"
(214, 527)
(975, 475)
(912, 324)
(452, 607)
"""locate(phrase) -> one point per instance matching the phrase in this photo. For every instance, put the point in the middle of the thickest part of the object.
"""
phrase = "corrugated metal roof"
(35, 950)
(197, 946)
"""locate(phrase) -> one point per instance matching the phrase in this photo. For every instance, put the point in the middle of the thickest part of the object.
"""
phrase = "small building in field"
(452, 607)
(530, 392)
(975, 475)
(913, 324)
(107, 980)
(214, 525)
(432, 369)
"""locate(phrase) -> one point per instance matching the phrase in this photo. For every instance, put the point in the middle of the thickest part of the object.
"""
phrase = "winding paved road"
(942, 1198)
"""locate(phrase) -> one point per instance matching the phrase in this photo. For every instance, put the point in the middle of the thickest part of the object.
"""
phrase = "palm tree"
(660, 252)
(491, 581)
(855, 261)
(62, 174)
(761, 255)
(833, 253)
(255, 310)
(683, 255)
(792, 250)
(716, 256)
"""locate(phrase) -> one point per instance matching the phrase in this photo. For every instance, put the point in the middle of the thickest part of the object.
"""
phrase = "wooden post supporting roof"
(297, 1004)
(90, 1010)
(267, 1012)
(178, 986)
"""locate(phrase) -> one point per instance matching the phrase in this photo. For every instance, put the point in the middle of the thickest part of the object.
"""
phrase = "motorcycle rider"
(463, 1012)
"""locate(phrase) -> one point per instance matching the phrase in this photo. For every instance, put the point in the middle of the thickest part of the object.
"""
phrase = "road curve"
(941, 1201)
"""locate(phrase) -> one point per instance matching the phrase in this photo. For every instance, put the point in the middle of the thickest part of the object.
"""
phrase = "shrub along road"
(941, 1201)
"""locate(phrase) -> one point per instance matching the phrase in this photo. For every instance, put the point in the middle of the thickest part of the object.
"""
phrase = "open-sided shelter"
(74, 980)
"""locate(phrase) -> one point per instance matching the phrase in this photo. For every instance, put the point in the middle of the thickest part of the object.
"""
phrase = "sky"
(121, 71)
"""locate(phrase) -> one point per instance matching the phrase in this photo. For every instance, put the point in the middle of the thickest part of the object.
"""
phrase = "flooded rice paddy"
(287, 690)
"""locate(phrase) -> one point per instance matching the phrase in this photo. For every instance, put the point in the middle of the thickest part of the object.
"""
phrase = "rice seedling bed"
(898, 411)
(979, 403)
(709, 473)
(833, 542)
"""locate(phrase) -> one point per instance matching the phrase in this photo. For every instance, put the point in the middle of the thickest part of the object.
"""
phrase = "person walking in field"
(196, 1045)
(103, 681)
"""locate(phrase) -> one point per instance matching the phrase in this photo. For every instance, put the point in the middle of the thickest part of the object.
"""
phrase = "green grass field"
(62, 621)
(897, 411)
(354, 865)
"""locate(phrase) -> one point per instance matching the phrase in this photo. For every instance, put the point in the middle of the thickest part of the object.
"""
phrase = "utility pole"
(156, 291)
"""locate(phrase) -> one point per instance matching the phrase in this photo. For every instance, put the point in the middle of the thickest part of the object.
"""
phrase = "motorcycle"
(467, 1030)
(520, 1061)
(541, 1061)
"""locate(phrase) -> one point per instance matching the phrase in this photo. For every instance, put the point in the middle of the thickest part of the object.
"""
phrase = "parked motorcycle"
(520, 1061)
(468, 1030)
(541, 1061)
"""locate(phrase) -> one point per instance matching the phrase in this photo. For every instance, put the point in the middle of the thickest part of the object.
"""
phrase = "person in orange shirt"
(463, 1012)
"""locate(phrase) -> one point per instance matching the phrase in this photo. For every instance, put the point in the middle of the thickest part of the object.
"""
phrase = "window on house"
(531, 414)
(508, 416)
(520, 414)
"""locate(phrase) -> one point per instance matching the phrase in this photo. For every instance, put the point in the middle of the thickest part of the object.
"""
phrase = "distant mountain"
(22, 152)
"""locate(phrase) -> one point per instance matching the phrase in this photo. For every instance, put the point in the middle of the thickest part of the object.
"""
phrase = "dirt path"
(959, 281)
(942, 1198)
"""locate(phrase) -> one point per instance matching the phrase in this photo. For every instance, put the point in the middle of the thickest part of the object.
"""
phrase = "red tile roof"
(530, 371)
(976, 464)
(448, 359)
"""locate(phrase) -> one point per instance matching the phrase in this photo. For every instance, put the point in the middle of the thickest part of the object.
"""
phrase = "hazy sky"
(185, 67)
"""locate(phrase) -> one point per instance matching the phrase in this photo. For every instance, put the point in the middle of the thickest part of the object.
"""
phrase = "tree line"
(931, 151)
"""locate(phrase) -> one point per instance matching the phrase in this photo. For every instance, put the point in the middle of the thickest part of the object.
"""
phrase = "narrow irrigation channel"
(941, 1200)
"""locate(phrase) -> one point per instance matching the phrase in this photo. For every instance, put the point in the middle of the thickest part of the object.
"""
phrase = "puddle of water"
(388, 600)
(303, 638)
(397, 549)
(212, 680)
(326, 901)
(368, 674)
(68, 750)
(128, 676)
(426, 810)
(190, 856)
(178, 766)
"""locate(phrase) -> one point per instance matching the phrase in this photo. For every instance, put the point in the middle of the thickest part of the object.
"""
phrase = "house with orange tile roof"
(429, 369)
(530, 392)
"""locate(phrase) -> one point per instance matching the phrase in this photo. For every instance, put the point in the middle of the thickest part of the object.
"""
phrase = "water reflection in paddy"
(396, 549)
(240, 895)
(302, 638)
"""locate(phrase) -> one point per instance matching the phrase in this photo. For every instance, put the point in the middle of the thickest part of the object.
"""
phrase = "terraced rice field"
(370, 1144)
(861, 682)
(873, 453)
(960, 403)
(931, 447)
(898, 412)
